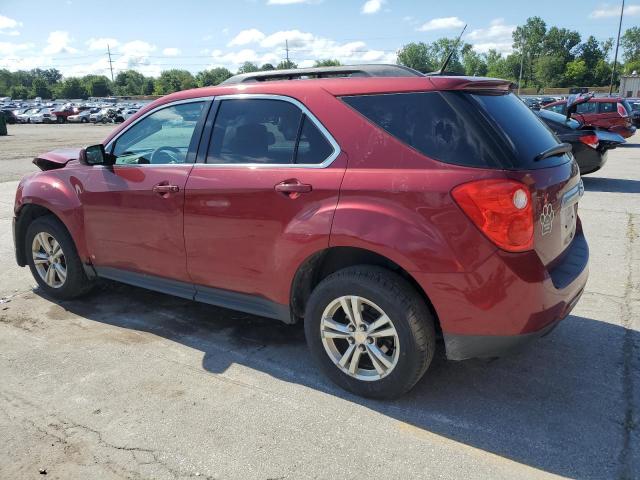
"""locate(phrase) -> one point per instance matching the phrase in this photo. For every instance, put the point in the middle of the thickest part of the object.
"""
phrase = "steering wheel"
(171, 152)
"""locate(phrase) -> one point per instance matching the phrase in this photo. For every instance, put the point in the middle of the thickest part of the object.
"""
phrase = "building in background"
(630, 85)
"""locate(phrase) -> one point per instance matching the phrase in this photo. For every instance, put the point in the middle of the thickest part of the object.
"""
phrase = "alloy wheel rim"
(49, 259)
(360, 338)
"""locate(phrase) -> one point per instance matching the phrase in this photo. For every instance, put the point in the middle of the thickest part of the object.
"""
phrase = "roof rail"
(371, 70)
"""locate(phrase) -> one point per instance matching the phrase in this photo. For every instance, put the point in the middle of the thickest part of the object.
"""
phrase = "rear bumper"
(507, 302)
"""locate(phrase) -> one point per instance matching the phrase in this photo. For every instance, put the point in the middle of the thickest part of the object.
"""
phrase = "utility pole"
(110, 62)
(521, 63)
(615, 57)
(286, 47)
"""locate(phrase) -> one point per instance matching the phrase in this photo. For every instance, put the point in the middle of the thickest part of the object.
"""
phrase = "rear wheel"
(84, 120)
(60, 120)
(370, 331)
(54, 261)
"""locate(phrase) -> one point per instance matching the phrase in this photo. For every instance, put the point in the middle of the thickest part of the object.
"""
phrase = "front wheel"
(54, 261)
(370, 331)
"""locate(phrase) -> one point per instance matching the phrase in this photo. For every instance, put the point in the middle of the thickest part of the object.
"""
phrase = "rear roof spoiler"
(373, 70)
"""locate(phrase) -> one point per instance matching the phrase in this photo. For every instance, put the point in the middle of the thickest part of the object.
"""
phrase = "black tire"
(84, 120)
(60, 119)
(407, 310)
(77, 283)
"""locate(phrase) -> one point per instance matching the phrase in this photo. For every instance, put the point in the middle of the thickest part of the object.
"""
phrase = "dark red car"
(384, 212)
(609, 113)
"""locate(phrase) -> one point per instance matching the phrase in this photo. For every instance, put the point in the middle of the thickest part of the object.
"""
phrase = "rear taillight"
(621, 110)
(590, 140)
(501, 209)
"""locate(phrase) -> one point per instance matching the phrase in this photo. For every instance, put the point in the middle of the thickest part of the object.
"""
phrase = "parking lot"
(128, 383)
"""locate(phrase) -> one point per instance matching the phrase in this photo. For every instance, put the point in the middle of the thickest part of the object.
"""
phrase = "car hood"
(56, 158)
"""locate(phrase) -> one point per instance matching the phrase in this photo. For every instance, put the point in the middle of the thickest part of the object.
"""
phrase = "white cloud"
(251, 35)
(372, 6)
(8, 26)
(614, 11)
(9, 49)
(58, 42)
(305, 49)
(171, 52)
(443, 23)
(290, 2)
(101, 43)
(295, 38)
(497, 37)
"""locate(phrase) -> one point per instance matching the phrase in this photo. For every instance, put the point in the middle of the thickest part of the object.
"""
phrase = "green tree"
(214, 76)
(528, 40)
(286, 65)
(71, 87)
(129, 82)
(632, 66)
(149, 86)
(267, 67)
(50, 75)
(474, 64)
(248, 67)
(6, 81)
(19, 92)
(575, 73)
(97, 85)
(327, 63)
(40, 88)
(549, 70)
(173, 80)
(561, 43)
(630, 42)
(417, 56)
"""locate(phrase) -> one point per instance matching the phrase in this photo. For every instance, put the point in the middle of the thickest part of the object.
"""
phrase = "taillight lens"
(590, 140)
(501, 209)
(621, 110)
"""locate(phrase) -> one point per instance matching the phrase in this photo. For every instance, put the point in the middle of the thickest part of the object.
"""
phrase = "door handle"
(293, 187)
(163, 188)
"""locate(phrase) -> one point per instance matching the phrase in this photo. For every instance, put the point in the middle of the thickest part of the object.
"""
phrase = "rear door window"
(587, 107)
(479, 130)
(607, 107)
(265, 131)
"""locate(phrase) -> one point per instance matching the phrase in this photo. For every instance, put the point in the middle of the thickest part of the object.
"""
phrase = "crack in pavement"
(63, 431)
(628, 347)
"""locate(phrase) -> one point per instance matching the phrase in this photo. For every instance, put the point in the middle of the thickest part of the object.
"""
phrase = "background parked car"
(609, 113)
(25, 117)
(9, 116)
(589, 145)
(62, 114)
(45, 115)
(81, 117)
(634, 103)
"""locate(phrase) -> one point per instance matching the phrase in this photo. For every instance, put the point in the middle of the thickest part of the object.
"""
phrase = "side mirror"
(93, 155)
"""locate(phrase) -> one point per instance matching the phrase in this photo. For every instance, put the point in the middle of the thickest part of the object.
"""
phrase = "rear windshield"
(488, 130)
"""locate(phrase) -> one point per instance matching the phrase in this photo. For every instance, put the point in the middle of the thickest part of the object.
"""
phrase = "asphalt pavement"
(127, 383)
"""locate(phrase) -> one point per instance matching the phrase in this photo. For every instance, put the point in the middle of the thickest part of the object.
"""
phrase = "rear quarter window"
(488, 130)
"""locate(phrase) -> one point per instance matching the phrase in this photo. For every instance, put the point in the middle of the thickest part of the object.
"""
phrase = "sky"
(155, 35)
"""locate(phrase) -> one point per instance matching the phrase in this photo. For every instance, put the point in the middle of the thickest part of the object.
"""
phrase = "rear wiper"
(559, 149)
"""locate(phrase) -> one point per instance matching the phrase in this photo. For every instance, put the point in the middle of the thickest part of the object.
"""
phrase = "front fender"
(58, 192)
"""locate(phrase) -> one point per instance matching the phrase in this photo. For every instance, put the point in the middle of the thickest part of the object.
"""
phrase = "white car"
(97, 117)
(45, 115)
(25, 117)
(82, 117)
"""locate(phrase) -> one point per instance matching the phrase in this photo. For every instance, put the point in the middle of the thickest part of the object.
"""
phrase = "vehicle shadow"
(617, 185)
(556, 406)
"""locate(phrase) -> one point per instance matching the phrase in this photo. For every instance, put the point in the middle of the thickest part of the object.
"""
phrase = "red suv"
(384, 210)
(609, 113)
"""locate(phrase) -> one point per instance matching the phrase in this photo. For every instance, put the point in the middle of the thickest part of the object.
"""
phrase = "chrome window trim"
(265, 96)
(109, 146)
